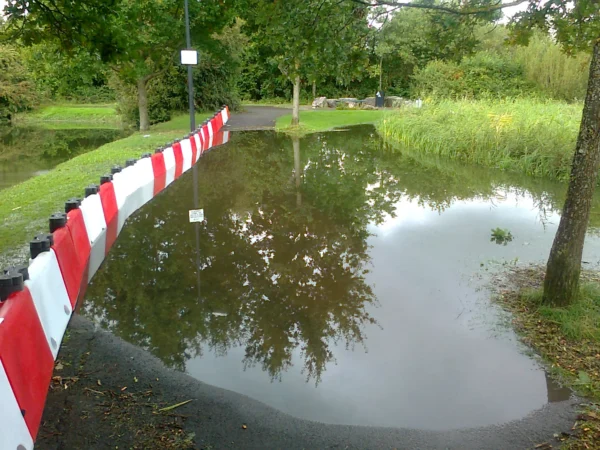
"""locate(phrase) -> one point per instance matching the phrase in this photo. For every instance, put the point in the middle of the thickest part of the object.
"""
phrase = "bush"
(17, 90)
(483, 75)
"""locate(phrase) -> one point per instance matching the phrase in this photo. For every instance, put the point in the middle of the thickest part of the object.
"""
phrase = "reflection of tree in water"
(279, 273)
(283, 252)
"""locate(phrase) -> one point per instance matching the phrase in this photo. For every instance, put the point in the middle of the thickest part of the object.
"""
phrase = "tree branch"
(460, 12)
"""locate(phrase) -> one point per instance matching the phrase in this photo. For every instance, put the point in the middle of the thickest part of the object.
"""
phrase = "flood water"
(337, 281)
(29, 151)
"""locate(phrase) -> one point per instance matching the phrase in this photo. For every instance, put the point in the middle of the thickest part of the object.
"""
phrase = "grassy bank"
(534, 137)
(24, 208)
(567, 340)
(72, 113)
(313, 121)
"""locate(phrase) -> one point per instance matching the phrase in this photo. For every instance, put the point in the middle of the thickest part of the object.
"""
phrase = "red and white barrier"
(33, 320)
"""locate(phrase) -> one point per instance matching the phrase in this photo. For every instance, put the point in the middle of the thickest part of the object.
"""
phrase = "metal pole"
(188, 39)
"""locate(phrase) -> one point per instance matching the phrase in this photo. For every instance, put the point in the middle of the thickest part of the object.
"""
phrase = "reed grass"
(527, 135)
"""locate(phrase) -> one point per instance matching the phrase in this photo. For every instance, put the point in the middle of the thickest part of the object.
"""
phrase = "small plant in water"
(501, 237)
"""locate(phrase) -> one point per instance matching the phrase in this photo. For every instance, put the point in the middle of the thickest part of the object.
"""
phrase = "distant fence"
(36, 302)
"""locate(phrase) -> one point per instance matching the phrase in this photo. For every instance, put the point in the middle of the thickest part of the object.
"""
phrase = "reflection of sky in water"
(441, 357)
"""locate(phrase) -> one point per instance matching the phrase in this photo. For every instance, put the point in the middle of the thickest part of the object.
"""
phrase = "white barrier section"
(198, 139)
(146, 174)
(95, 224)
(14, 435)
(169, 165)
(224, 116)
(50, 298)
(186, 150)
(210, 135)
(225, 137)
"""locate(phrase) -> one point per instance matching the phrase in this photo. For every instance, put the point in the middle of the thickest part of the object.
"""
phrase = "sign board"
(196, 215)
(189, 57)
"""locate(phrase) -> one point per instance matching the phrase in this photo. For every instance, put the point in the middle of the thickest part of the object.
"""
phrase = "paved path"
(256, 118)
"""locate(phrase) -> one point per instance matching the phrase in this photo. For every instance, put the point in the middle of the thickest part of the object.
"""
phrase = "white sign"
(196, 215)
(189, 57)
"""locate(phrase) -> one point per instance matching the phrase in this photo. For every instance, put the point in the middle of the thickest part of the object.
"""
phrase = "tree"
(17, 90)
(310, 38)
(138, 38)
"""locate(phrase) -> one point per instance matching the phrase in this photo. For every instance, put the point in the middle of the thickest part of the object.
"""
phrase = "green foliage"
(557, 74)
(73, 113)
(17, 91)
(482, 75)
(525, 135)
(59, 75)
(501, 237)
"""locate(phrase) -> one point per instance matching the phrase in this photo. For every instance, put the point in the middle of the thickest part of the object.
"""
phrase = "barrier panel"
(15, 435)
(178, 154)
(160, 172)
(25, 357)
(108, 199)
(95, 225)
(186, 151)
(35, 312)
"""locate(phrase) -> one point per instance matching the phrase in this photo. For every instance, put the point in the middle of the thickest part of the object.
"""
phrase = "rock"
(394, 102)
(332, 103)
(369, 101)
(319, 102)
(365, 106)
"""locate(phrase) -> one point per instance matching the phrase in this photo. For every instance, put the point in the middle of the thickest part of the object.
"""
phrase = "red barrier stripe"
(219, 122)
(76, 227)
(69, 263)
(204, 131)
(194, 149)
(160, 172)
(218, 139)
(25, 356)
(111, 213)
(178, 159)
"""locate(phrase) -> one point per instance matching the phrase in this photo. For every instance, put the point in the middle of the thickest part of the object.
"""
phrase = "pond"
(337, 281)
(27, 151)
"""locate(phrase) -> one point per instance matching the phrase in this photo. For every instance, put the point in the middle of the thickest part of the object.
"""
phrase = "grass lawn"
(567, 340)
(72, 113)
(24, 208)
(313, 121)
(181, 122)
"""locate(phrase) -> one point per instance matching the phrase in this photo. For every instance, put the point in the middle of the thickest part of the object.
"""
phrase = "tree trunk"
(314, 90)
(296, 104)
(297, 169)
(564, 264)
(143, 104)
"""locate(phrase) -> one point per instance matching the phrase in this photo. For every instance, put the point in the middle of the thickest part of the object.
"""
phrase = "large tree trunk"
(143, 104)
(564, 264)
(381, 74)
(296, 102)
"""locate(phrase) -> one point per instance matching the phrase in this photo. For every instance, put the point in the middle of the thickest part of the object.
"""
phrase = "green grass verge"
(24, 208)
(313, 121)
(531, 136)
(181, 121)
(72, 113)
(567, 339)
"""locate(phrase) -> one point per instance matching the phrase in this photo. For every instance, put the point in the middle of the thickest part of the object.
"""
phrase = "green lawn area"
(181, 122)
(72, 113)
(25, 208)
(312, 121)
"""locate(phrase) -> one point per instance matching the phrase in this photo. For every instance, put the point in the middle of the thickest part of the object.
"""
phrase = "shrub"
(483, 75)
(17, 90)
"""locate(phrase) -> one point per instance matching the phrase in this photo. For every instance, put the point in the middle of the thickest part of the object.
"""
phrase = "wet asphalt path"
(256, 118)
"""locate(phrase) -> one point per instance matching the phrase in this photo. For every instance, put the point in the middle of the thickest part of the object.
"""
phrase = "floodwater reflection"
(335, 281)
